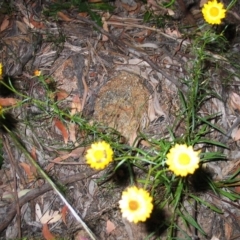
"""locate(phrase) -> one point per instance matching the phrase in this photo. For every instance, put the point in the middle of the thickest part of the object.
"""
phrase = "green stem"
(53, 185)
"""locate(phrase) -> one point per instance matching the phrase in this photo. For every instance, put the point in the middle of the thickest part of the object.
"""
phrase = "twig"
(52, 184)
(67, 163)
(34, 194)
(11, 159)
(16, 199)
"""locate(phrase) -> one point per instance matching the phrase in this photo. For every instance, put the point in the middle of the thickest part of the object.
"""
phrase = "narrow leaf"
(46, 233)
(5, 102)
(188, 218)
(64, 213)
(212, 207)
(60, 126)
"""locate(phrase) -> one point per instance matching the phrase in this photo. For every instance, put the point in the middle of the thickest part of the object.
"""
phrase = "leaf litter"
(163, 46)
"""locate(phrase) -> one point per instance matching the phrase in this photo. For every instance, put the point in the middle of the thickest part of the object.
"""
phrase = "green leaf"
(147, 16)
(235, 174)
(101, 6)
(83, 7)
(178, 193)
(168, 4)
(214, 143)
(95, 17)
(212, 207)
(211, 125)
(183, 100)
(231, 4)
(210, 156)
(188, 218)
(231, 196)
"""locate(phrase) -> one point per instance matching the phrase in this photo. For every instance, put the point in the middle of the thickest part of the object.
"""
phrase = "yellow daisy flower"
(136, 204)
(213, 12)
(37, 73)
(99, 155)
(1, 70)
(183, 160)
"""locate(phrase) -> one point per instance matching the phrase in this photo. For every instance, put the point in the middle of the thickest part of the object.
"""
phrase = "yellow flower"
(136, 204)
(37, 73)
(213, 12)
(99, 155)
(1, 70)
(183, 160)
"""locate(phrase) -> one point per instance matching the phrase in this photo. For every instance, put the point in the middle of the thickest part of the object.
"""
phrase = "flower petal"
(213, 12)
(99, 155)
(136, 204)
(183, 160)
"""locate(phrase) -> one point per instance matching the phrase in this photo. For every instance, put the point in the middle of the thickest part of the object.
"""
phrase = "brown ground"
(126, 78)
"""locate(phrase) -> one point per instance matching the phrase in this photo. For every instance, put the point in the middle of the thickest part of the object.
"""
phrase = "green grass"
(166, 189)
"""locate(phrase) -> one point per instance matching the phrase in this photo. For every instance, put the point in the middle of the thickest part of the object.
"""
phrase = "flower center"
(99, 155)
(214, 12)
(184, 159)
(133, 205)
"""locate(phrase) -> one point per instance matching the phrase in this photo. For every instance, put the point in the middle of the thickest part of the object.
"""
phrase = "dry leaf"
(51, 217)
(153, 3)
(48, 217)
(105, 27)
(22, 27)
(130, 8)
(154, 109)
(214, 238)
(81, 235)
(76, 105)
(157, 106)
(58, 159)
(33, 153)
(92, 187)
(5, 102)
(202, 2)
(83, 14)
(26, 20)
(34, 156)
(167, 61)
(64, 213)
(36, 24)
(4, 24)
(64, 17)
(38, 213)
(236, 133)
(60, 126)
(151, 112)
(138, 61)
(72, 132)
(61, 94)
(237, 189)
(173, 33)
(234, 101)
(144, 143)
(170, 12)
(21, 193)
(228, 231)
(77, 152)
(29, 170)
(46, 233)
(110, 226)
